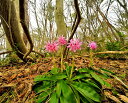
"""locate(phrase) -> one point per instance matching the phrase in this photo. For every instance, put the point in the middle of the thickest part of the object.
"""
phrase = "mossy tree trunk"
(11, 24)
(27, 21)
(59, 18)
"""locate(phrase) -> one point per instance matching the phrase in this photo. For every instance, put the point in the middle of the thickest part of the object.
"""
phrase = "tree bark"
(59, 18)
(11, 25)
(27, 21)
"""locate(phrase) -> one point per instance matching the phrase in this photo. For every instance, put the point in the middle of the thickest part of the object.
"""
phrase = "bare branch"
(24, 25)
(78, 19)
(5, 52)
(1, 36)
(75, 25)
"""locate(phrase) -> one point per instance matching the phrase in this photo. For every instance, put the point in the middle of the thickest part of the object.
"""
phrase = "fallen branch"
(112, 52)
(42, 55)
(5, 52)
(109, 52)
(110, 96)
(119, 80)
(105, 52)
(123, 98)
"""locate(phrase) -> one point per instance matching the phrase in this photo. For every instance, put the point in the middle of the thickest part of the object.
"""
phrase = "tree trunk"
(11, 25)
(27, 21)
(59, 18)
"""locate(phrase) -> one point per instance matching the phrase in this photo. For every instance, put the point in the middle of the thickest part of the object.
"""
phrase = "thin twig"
(5, 52)
(119, 80)
(28, 92)
(75, 25)
(1, 36)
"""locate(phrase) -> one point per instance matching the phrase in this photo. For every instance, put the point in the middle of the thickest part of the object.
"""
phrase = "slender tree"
(59, 18)
(12, 28)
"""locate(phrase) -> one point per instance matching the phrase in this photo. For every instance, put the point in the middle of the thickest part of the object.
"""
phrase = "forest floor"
(16, 81)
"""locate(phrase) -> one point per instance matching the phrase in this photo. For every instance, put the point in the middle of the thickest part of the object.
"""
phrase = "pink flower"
(62, 40)
(92, 45)
(74, 45)
(52, 46)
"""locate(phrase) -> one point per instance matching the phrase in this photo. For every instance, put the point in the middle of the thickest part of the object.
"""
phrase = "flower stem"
(53, 59)
(61, 59)
(91, 59)
(73, 64)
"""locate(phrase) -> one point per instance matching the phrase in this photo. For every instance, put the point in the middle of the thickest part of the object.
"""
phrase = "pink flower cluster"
(92, 45)
(74, 45)
(52, 46)
(62, 40)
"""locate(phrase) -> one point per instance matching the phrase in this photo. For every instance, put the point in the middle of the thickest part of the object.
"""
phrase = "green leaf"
(76, 94)
(42, 87)
(104, 75)
(91, 83)
(58, 76)
(58, 88)
(107, 71)
(42, 96)
(39, 78)
(83, 70)
(63, 100)
(80, 76)
(67, 92)
(55, 70)
(107, 84)
(96, 77)
(68, 70)
(39, 100)
(86, 99)
(87, 91)
(51, 77)
(54, 98)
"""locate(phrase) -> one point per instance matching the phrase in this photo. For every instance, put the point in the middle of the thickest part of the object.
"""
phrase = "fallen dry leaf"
(123, 98)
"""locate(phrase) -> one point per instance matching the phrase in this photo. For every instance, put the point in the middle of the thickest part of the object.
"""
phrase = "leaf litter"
(16, 81)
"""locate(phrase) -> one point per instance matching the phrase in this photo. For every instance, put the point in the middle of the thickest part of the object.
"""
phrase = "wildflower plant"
(69, 85)
(52, 46)
(74, 45)
(62, 41)
(92, 46)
